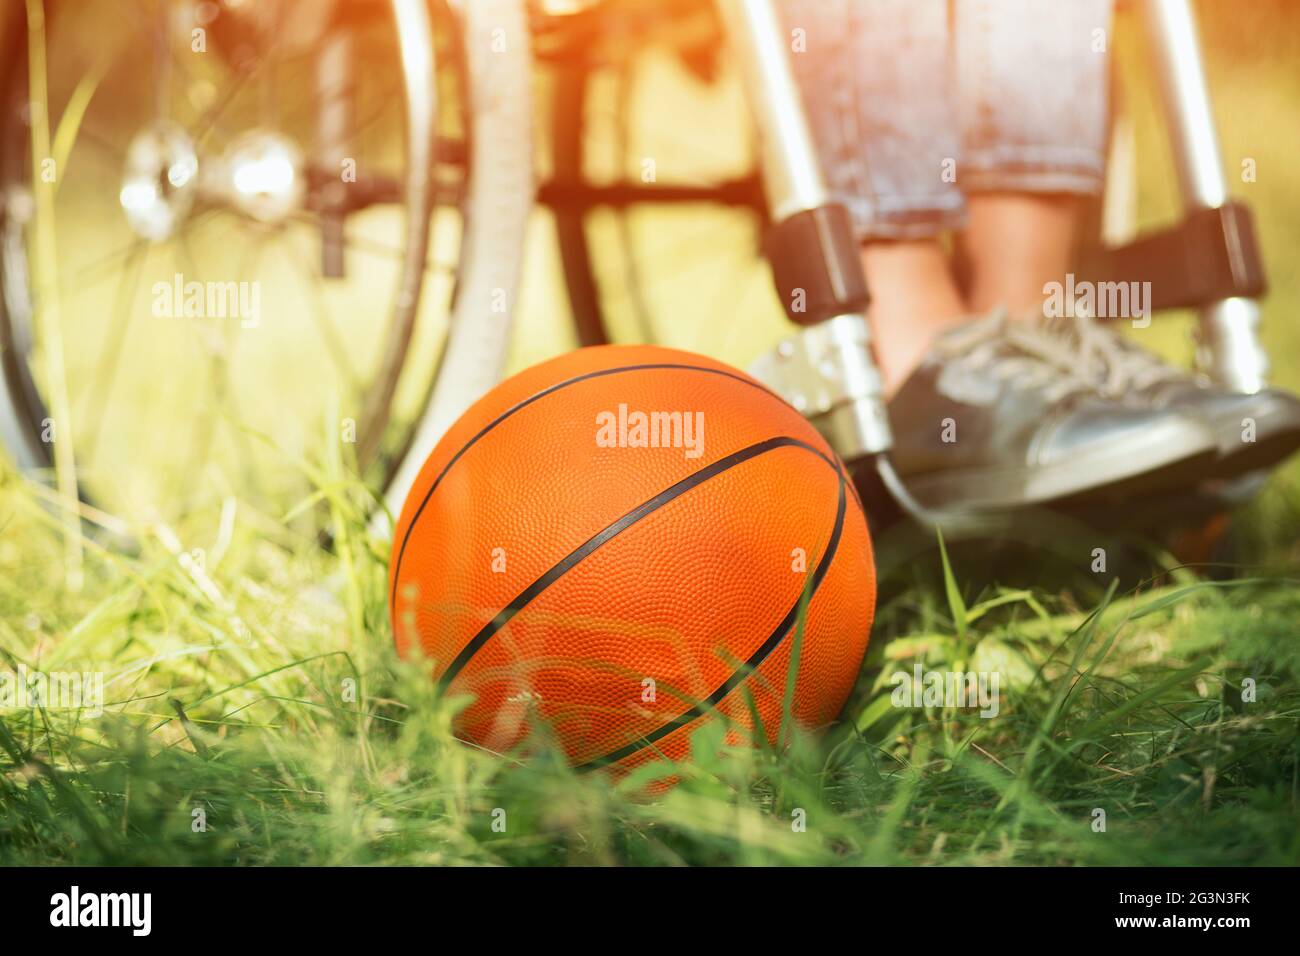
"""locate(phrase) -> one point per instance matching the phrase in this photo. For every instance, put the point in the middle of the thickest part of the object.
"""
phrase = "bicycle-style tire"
(500, 202)
(495, 198)
(626, 283)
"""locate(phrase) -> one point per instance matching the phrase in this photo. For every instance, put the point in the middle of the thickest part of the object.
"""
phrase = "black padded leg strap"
(815, 265)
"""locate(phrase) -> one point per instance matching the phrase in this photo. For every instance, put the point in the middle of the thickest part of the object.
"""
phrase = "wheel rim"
(676, 261)
(172, 404)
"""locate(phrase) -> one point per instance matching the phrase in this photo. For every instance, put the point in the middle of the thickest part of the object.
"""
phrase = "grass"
(256, 714)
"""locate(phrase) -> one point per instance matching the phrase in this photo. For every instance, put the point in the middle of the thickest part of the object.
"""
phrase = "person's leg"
(986, 414)
(913, 299)
(1015, 243)
(1033, 109)
(877, 76)
(1032, 94)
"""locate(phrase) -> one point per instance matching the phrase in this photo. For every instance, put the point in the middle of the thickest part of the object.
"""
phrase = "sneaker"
(1255, 430)
(1001, 415)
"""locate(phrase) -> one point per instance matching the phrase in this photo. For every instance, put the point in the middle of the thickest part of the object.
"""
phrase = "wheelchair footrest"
(1210, 256)
(826, 371)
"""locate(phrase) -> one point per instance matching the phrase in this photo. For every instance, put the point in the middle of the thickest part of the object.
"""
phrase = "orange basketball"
(616, 542)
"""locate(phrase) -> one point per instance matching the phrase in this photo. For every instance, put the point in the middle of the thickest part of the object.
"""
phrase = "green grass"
(227, 681)
(250, 675)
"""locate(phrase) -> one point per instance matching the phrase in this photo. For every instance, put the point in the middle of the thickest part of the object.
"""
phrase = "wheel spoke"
(320, 314)
(212, 116)
(196, 376)
(97, 395)
(268, 90)
(224, 401)
(87, 276)
(165, 63)
(85, 133)
(375, 247)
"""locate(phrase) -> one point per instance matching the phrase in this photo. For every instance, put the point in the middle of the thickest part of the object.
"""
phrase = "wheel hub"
(261, 175)
(264, 176)
(159, 181)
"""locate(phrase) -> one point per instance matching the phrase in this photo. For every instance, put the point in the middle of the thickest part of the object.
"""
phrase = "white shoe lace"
(1025, 354)
(1116, 366)
(1060, 356)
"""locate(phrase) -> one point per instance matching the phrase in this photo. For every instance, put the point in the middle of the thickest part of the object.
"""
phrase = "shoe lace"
(1059, 355)
(1027, 355)
(1113, 365)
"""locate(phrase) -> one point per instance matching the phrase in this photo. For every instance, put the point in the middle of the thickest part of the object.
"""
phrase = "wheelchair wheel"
(235, 234)
(659, 222)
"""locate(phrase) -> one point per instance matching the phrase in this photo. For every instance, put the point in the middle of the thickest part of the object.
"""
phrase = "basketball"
(622, 543)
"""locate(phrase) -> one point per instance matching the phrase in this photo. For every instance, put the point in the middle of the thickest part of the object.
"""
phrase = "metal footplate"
(827, 373)
(826, 369)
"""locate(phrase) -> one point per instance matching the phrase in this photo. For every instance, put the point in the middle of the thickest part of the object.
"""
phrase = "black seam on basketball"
(646, 508)
(741, 673)
(519, 406)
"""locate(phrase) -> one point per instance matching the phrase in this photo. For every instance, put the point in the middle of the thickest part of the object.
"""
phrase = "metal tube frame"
(827, 370)
(1228, 345)
(792, 174)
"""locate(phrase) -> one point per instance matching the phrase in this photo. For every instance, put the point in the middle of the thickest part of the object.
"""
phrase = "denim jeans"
(915, 103)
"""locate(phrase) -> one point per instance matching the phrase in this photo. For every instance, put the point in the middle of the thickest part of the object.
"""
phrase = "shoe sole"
(1173, 457)
(1277, 438)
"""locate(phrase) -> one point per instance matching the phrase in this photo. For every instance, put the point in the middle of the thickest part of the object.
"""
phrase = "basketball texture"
(622, 583)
